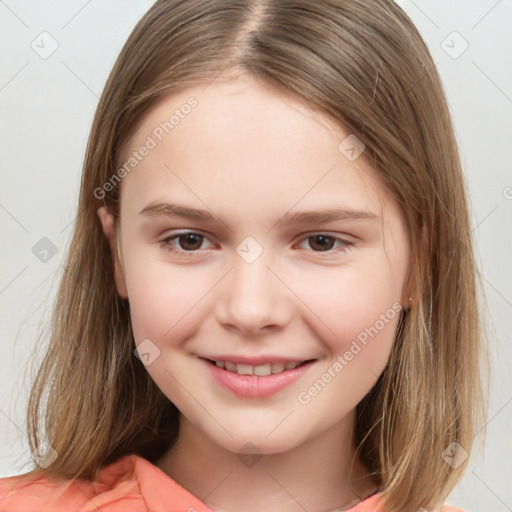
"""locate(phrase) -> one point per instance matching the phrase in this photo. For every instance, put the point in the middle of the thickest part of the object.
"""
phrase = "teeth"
(262, 370)
(230, 366)
(278, 367)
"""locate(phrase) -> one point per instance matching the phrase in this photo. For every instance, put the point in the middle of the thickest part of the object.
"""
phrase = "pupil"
(192, 239)
(325, 241)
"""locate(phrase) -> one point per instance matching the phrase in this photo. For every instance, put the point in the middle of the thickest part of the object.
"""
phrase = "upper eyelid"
(186, 232)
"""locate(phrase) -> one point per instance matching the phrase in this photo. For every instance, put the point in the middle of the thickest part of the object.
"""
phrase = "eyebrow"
(157, 209)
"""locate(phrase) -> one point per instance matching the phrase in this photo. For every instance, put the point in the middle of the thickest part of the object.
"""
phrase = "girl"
(270, 299)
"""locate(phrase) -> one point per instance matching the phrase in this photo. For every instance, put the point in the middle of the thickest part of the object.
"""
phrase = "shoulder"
(450, 508)
(31, 491)
(131, 484)
(375, 503)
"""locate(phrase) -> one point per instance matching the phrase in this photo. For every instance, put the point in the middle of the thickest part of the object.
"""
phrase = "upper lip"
(255, 361)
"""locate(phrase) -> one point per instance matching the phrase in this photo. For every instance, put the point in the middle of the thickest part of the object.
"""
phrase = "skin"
(250, 154)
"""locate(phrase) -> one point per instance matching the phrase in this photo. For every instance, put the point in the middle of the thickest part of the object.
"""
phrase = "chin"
(258, 443)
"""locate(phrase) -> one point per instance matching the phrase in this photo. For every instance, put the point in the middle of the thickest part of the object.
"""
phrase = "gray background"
(47, 106)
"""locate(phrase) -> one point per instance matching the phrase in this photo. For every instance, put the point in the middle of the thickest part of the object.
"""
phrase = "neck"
(313, 475)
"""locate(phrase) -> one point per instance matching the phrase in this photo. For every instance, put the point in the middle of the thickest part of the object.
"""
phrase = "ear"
(412, 288)
(109, 229)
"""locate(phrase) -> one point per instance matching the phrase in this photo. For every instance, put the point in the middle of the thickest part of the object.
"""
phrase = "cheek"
(350, 301)
(162, 298)
(358, 315)
(362, 346)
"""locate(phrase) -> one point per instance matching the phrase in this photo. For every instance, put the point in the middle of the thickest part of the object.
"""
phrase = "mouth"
(262, 370)
(260, 381)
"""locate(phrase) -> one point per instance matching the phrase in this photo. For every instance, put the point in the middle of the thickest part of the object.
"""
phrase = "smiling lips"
(261, 370)
(255, 380)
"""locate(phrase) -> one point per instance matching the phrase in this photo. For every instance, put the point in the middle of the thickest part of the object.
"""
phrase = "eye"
(188, 243)
(321, 242)
(185, 243)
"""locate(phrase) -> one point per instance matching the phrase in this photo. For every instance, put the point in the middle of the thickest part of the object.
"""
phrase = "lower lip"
(253, 385)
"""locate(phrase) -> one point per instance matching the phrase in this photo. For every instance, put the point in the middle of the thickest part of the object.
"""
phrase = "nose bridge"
(253, 297)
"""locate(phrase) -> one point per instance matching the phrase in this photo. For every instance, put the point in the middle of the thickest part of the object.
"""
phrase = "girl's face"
(264, 272)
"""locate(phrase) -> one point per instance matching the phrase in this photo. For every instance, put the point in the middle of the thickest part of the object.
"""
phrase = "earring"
(408, 306)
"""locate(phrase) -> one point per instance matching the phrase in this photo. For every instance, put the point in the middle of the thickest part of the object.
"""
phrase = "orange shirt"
(130, 484)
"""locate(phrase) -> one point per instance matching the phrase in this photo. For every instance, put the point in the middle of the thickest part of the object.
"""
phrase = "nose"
(254, 298)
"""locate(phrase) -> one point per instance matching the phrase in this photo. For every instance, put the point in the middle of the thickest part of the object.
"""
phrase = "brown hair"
(363, 64)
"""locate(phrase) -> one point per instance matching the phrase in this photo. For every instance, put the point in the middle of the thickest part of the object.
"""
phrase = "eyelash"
(168, 246)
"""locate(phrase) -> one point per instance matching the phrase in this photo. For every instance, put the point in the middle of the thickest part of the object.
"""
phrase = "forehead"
(240, 139)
